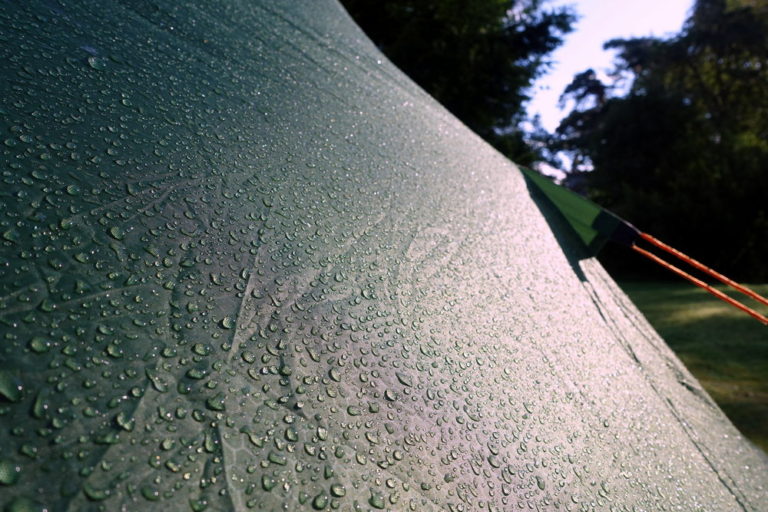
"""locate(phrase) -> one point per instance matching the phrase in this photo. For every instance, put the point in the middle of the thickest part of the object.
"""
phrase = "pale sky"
(600, 21)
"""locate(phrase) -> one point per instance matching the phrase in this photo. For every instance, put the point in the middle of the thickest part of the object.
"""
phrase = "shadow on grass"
(743, 416)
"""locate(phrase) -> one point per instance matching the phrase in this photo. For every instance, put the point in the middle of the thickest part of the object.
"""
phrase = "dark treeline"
(676, 140)
(476, 57)
(684, 153)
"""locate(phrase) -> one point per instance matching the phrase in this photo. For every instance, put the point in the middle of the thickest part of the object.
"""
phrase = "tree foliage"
(477, 57)
(684, 153)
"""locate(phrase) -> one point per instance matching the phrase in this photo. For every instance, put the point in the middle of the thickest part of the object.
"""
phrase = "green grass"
(724, 348)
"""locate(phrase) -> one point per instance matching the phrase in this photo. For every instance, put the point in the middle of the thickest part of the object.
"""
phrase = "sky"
(600, 21)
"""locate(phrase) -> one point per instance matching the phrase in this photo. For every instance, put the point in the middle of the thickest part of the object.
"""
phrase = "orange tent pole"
(698, 282)
(733, 284)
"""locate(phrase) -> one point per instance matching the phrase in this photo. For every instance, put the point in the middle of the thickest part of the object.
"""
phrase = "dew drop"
(10, 386)
(405, 380)
(150, 493)
(268, 483)
(376, 501)
(216, 403)
(277, 458)
(124, 421)
(11, 235)
(39, 345)
(116, 232)
(98, 63)
(320, 501)
(95, 494)
(21, 504)
(9, 472)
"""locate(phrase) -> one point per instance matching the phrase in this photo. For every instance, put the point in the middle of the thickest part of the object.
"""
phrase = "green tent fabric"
(591, 223)
(248, 265)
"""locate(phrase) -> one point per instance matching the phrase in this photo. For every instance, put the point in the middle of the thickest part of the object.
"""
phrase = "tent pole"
(723, 279)
(698, 282)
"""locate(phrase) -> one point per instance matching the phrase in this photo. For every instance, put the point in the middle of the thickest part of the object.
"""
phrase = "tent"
(248, 265)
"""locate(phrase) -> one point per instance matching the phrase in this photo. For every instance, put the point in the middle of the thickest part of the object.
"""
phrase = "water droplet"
(10, 386)
(95, 494)
(116, 232)
(38, 344)
(9, 472)
(150, 493)
(98, 63)
(196, 373)
(268, 483)
(124, 421)
(40, 407)
(277, 458)
(320, 501)
(47, 305)
(216, 403)
(158, 383)
(405, 380)
(198, 505)
(376, 500)
(21, 504)
(11, 235)
(200, 349)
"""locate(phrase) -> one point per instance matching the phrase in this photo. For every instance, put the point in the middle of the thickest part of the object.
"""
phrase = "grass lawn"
(724, 348)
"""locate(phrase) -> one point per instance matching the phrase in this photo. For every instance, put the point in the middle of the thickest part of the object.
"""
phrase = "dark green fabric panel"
(246, 264)
(594, 225)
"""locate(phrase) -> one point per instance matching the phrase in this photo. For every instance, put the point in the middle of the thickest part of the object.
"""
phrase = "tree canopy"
(478, 58)
(685, 151)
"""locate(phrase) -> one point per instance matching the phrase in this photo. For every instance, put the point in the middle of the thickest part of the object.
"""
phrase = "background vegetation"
(684, 153)
(476, 57)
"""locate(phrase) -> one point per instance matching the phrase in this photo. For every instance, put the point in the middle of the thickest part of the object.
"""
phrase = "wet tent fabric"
(248, 265)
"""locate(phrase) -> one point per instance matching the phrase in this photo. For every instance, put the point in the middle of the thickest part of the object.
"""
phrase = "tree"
(684, 153)
(477, 58)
